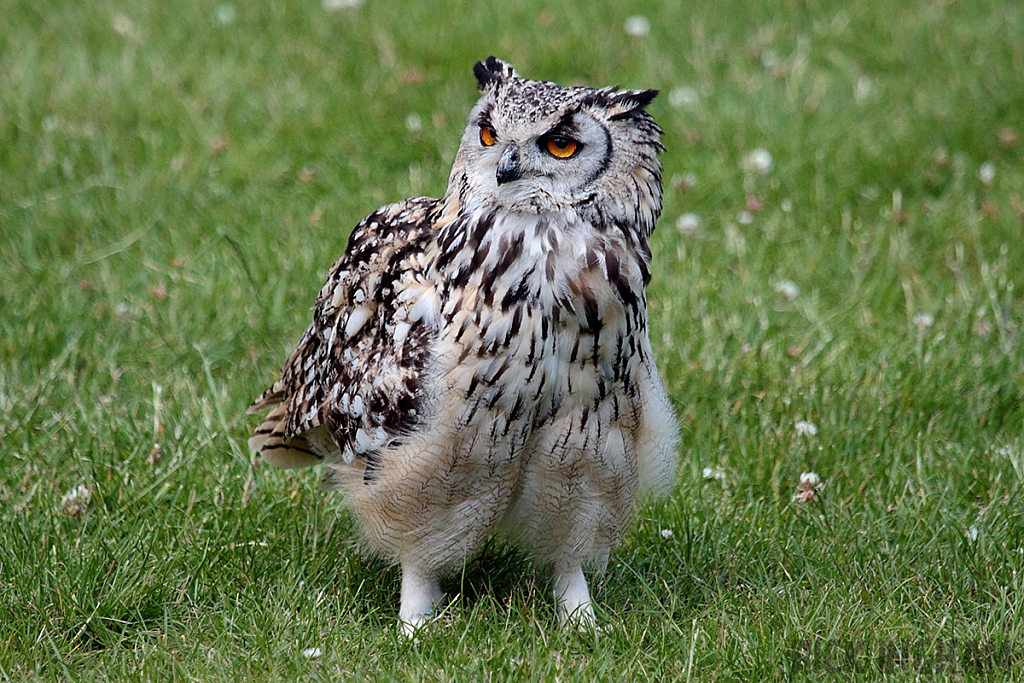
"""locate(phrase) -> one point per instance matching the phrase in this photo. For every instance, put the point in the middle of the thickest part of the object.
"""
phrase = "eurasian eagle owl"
(479, 364)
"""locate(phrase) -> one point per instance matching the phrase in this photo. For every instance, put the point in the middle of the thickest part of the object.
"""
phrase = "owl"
(478, 365)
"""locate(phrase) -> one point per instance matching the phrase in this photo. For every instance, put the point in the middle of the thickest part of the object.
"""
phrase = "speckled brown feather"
(350, 383)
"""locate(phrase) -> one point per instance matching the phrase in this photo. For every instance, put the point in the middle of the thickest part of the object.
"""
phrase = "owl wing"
(353, 384)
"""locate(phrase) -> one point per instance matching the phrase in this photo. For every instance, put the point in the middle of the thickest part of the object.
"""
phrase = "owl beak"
(508, 167)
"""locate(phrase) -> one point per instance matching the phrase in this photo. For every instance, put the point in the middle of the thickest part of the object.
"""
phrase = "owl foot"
(421, 596)
(574, 606)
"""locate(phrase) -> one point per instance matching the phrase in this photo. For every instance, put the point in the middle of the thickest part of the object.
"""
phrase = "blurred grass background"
(841, 238)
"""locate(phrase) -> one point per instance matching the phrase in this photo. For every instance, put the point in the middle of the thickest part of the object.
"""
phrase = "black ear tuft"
(628, 103)
(491, 71)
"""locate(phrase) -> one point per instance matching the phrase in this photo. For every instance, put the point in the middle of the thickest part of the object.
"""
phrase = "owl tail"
(270, 441)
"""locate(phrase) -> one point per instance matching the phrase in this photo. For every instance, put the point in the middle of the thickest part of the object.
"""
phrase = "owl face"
(535, 147)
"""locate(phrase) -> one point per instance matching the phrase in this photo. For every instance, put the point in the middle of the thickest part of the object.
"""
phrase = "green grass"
(173, 188)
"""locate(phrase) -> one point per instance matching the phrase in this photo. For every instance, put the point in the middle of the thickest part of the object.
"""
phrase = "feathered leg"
(421, 594)
(570, 589)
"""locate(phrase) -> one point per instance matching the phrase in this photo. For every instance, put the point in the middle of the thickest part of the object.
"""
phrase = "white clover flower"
(786, 205)
(770, 59)
(637, 25)
(312, 652)
(862, 89)
(225, 13)
(688, 223)
(807, 489)
(812, 479)
(125, 27)
(805, 428)
(924, 320)
(744, 218)
(787, 289)
(76, 500)
(335, 5)
(684, 97)
(51, 123)
(667, 534)
(987, 172)
(413, 123)
(713, 474)
(759, 160)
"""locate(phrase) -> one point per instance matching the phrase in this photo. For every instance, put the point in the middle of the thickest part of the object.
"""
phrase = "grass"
(175, 178)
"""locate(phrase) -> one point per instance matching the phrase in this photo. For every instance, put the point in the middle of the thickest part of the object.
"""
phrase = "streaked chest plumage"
(537, 311)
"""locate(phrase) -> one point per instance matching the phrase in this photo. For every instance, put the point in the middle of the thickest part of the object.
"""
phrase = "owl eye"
(487, 136)
(560, 146)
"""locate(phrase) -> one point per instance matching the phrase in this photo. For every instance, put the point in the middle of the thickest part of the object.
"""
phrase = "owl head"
(538, 147)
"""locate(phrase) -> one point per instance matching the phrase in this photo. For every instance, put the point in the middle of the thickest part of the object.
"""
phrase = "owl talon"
(421, 594)
(574, 606)
(411, 627)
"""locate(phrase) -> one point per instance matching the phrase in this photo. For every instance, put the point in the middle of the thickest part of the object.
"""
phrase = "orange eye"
(560, 146)
(487, 136)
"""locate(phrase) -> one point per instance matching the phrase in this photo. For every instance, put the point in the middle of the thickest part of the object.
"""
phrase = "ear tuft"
(628, 103)
(491, 71)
